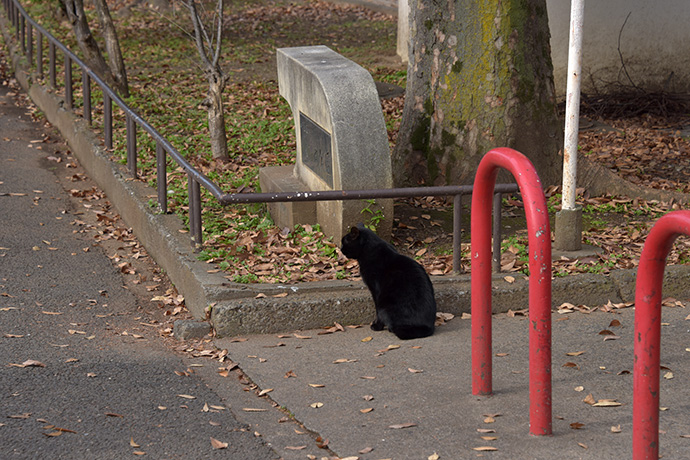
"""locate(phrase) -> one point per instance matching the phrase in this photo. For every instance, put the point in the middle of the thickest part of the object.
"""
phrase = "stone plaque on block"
(342, 142)
(316, 149)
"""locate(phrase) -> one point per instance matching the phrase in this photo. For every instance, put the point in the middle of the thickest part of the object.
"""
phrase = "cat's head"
(354, 241)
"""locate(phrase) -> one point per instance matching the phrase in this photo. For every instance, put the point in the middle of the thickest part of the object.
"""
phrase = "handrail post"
(650, 275)
(86, 93)
(51, 58)
(132, 146)
(107, 119)
(539, 240)
(69, 99)
(457, 232)
(30, 43)
(20, 30)
(161, 178)
(194, 197)
(39, 54)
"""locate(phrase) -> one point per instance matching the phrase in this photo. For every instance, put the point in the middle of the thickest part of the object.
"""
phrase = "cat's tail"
(407, 332)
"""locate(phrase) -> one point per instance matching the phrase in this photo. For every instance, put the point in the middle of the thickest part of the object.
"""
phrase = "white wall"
(655, 44)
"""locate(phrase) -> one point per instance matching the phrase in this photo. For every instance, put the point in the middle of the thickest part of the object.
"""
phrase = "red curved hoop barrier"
(650, 274)
(539, 241)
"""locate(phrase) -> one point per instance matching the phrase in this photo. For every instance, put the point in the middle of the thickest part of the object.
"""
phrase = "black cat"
(402, 291)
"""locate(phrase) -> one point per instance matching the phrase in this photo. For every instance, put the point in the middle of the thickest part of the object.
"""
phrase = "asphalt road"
(84, 370)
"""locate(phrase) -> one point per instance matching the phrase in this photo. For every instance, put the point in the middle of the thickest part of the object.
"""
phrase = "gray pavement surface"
(355, 386)
(106, 386)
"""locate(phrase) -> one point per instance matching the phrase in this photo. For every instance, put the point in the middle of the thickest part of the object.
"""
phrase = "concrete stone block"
(185, 329)
(569, 229)
(276, 179)
(342, 142)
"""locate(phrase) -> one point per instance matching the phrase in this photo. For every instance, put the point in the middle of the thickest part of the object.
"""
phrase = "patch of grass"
(168, 88)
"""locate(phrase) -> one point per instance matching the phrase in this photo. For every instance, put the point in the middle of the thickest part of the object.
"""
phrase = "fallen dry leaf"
(399, 426)
(321, 443)
(485, 449)
(576, 425)
(607, 403)
(28, 363)
(216, 444)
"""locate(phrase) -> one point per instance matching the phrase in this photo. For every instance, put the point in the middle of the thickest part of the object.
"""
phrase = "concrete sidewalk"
(354, 387)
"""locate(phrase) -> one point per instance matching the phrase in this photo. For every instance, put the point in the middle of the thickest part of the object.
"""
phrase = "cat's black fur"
(402, 291)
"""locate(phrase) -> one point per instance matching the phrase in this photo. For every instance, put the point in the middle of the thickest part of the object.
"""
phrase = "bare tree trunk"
(479, 77)
(87, 43)
(216, 118)
(209, 53)
(112, 46)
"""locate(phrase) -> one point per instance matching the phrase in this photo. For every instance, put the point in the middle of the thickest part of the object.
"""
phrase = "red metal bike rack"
(539, 241)
(650, 274)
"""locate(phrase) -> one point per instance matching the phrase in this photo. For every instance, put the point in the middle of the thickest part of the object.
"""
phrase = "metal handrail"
(25, 27)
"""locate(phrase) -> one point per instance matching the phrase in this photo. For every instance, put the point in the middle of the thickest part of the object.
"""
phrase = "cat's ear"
(354, 231)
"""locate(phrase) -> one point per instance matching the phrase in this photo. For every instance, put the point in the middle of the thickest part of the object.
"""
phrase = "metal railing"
(26, 28)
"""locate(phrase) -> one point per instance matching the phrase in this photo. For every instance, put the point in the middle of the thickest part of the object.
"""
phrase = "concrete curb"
(245, 309)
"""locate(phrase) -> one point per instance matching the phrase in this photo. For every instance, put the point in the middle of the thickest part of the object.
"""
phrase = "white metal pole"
(572, 107)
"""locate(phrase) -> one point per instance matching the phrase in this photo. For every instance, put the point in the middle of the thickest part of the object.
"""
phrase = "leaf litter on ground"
(645, 149)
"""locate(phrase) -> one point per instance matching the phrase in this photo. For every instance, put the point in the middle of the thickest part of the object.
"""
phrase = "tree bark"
(208, 47)
(216, 118)
(112, 46)
(479, 77)
(87, 43)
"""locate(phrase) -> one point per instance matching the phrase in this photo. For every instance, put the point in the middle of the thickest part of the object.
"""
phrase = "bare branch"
(219, 33)
(199, 32)
(625, 70)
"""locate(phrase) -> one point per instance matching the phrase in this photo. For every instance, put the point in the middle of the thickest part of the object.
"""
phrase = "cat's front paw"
(376, 326)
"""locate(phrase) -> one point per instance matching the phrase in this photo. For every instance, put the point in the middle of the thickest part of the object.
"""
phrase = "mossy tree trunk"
(480, 76)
